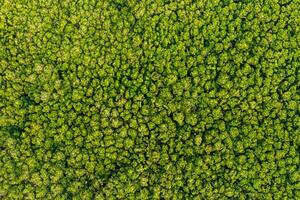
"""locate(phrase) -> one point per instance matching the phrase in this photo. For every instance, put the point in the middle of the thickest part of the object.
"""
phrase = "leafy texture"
(158, 99)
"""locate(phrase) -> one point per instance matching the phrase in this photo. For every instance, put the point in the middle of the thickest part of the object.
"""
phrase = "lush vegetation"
(126, 99)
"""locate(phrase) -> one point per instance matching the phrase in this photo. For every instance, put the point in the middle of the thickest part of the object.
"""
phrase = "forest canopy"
(126, 99)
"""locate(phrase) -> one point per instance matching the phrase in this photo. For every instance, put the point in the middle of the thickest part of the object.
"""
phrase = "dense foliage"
(126, 99)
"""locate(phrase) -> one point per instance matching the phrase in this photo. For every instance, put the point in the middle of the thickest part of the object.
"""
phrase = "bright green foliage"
(127, 99)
